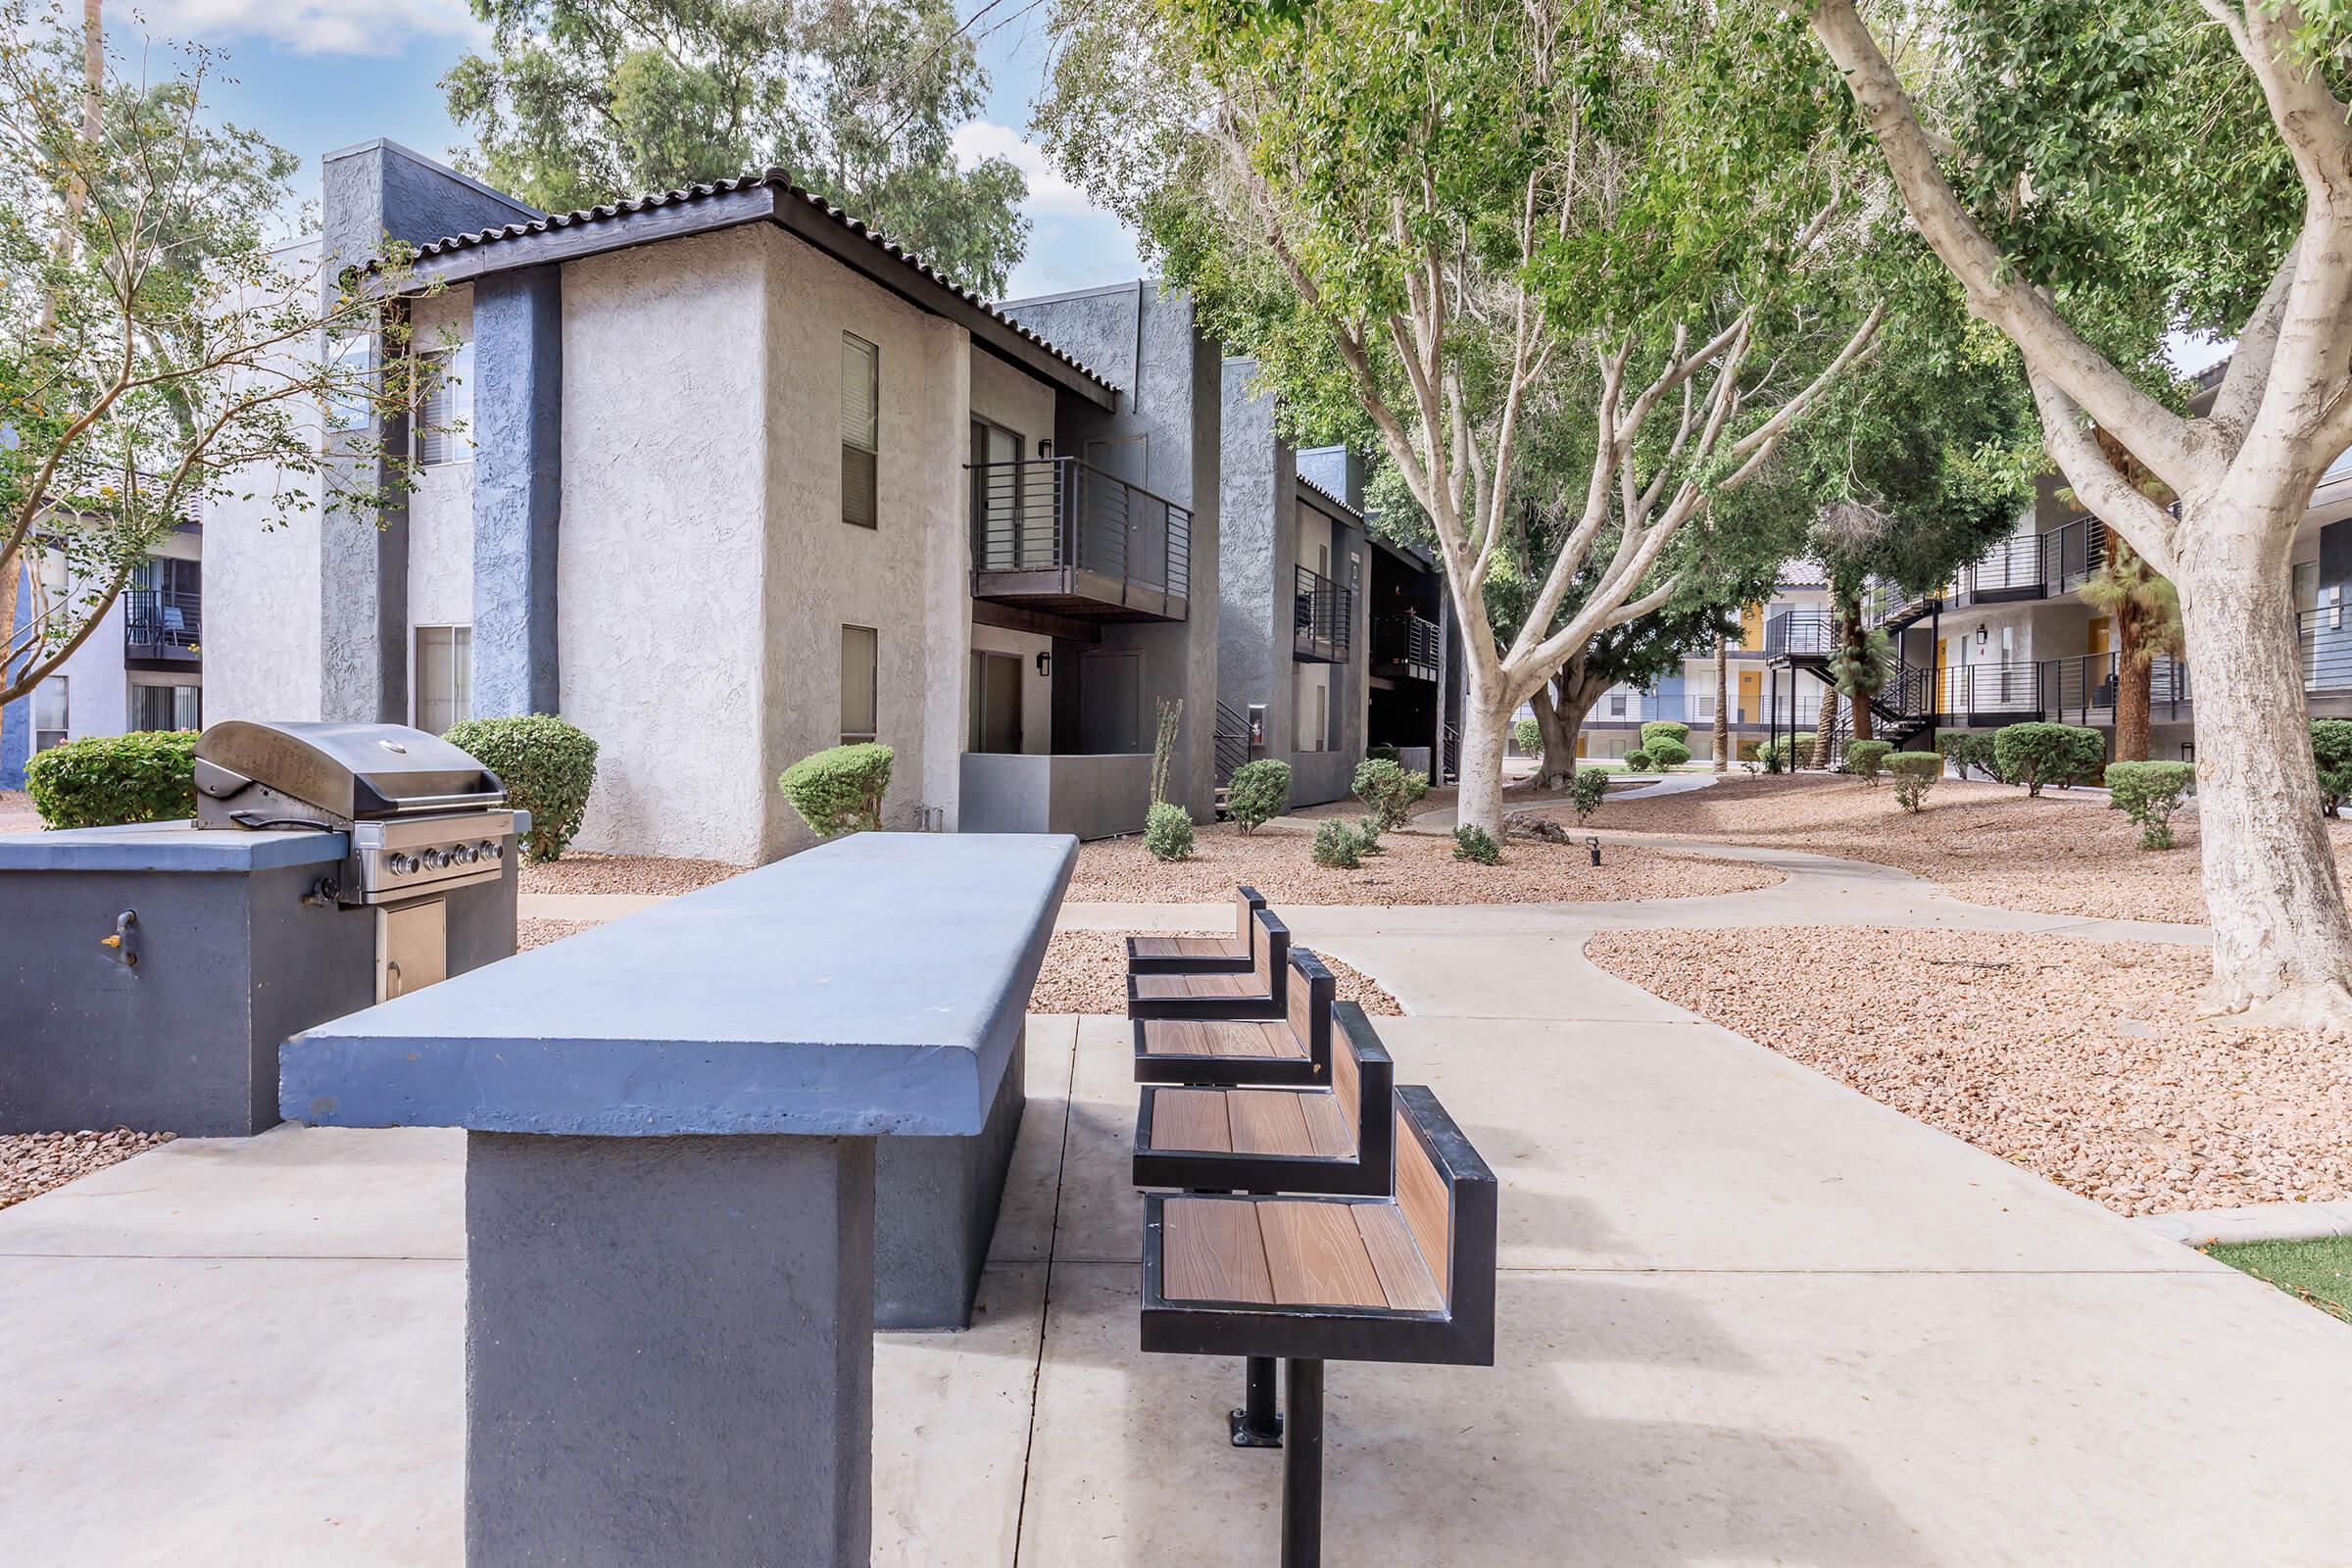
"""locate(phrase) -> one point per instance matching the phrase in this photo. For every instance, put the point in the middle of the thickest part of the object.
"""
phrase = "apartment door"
(1110, 703)
(995, 703)
(1751, 698)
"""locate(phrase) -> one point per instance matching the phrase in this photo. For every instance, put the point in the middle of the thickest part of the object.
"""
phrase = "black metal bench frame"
(1163, 963)
(1162, 1068)
(1201, 1009)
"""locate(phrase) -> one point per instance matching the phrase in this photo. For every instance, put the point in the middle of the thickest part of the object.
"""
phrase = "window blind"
(445, 416)
(860, 422)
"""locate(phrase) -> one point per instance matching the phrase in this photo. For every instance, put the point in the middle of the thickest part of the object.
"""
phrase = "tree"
(1468, 217)
(581, 102)
(154, 355)
(1723, 716)
(2145, 612)
(2100, 173)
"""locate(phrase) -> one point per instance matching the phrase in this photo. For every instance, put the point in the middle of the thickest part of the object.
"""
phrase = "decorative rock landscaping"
(1086, 972)
(32, 1163)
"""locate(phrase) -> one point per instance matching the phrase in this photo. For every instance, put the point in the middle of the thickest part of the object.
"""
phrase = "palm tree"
(2145, 610)
(1860, 666)
(1723, 718)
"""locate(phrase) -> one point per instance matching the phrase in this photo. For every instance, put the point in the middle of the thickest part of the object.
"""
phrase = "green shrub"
(2037, 754)
(1863, 758)
(1388, 790)
(1260, 792)
(146, 776)
(2150, 793)
(1664, 729)
(1528, 736)
(1914, 774)
(1367, 834)
(1665, 752)
(1965, 752)
(1588, 789)
(1384, 751)
(1774, 755)
(547, 765)
(1474, 843)
(840, 790)
(1168, 831)
(2332, 749)
(1337, 845)
(1637, 761)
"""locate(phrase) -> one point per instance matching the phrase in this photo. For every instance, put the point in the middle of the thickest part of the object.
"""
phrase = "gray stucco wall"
(1255, 556)
(518, 489)
(1087, 796)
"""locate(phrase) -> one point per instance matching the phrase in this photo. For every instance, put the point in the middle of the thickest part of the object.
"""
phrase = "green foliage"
(1778, 756)
(1588, 789)
(1368, 831)
(2038, 753)
(1474, 843)
(1914, 774)
(839, 790)
(2150, 793)
(1862, 758)
(1337, 845)
(1528, 736)
(1388, 790)
(581, 102)
(1168, 831)
(1967, 752)
(1658, 729)
(1665, 753)
(148, 776)
(1862, 664)
(1259, 792)
(547, 765)
(2332, 749)
(1637, 761)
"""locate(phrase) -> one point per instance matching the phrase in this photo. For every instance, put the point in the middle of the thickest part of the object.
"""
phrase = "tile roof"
(1335, 500)
(782, 180)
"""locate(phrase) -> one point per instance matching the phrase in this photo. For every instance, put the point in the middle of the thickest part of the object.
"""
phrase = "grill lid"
(350, 771)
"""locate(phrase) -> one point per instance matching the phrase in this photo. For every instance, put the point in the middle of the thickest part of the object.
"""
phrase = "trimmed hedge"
(2150, 793)
(1528, 736)
(1168, 831)
(2331, 749)
(1862, 758)
(1474, 843)
(1914, 774)
(146, 776)
(1637, 761)
(1388, 790)
(1665, 752)
(839, 790)
(1588, 789)
(547, 765)
(2038, 753)
(1966, 751)
(1666, 729)
(1338, 846)
(1259, 792)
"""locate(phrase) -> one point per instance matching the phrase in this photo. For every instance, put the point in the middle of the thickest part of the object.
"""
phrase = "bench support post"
(1303, 1468)
(1257, 1424)
(669, 1349)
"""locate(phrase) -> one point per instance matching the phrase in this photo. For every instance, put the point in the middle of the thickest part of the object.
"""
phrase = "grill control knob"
(399, 864)
(493, 850)
(466, 852)
(435, 858)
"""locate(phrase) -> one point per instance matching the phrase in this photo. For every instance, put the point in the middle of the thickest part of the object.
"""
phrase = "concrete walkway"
(1746, 1316)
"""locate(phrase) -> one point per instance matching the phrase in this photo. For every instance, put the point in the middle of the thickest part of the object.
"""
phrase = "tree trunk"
(1559, 740)
(1723, 716)
(1486, 730)
(2282, 944)
(1857, 638)
(2133, 660)
(1823, 727)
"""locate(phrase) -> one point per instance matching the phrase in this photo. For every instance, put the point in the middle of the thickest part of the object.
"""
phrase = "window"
(439, 435)
(166, 708)
(860, 430)
(1012, 529)
(349, 407)
(1617, 704)
(442, 689)
(860, 652)
(995, 703)
(49, 714)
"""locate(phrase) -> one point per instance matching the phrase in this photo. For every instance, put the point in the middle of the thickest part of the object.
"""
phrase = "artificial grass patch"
(2319, 1272)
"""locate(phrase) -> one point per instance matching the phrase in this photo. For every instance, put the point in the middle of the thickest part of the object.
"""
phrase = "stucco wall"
(1255, 488)
(1011, 398)
(1037, 690)
(659, 579)
(441, 506)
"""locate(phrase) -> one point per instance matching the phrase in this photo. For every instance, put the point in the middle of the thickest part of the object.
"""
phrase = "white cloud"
(314, 27)
(1050, 195)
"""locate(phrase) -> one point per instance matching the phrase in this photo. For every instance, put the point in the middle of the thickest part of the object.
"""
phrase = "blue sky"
(317, 74)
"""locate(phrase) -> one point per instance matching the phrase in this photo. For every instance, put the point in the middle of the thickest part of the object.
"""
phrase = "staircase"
(1902, 711)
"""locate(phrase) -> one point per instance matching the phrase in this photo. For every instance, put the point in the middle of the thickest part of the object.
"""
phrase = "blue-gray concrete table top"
(873, 985)
(165, 846)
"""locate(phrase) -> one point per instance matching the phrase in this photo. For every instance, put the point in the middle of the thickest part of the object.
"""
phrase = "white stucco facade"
(440, 577)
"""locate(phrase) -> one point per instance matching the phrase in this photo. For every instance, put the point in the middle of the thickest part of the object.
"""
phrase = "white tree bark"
(1486, 728)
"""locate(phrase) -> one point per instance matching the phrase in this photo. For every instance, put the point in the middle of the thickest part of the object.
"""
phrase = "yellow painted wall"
(1751, 696)
(2099, 633)
(1751, 628)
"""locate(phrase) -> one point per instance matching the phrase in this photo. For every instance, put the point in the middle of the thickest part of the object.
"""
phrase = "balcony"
(1322, 620)
(1804, 634)
(1408, 645)
(1062, 537)
(2082, 690)
(162, 626)
(1991, 693)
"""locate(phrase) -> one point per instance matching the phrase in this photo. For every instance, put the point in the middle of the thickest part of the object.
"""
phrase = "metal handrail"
(1050, 513)
(1323, 613)
(1800, 631)
(1406, 638)
(2324, 647)
(2082, 688)
(162, 617)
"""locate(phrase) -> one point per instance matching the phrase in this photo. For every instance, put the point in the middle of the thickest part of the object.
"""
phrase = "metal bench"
(1295, 1049)
(1259, 1139)
(1233, 954)
(1260, 993)
(1309, 1279)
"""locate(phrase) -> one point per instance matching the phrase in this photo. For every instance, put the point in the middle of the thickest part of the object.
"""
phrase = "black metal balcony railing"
(2324, 647)
(2072, 552)
(1800, 633)
(1322, 618)
(1408, 640)
(2083, 689)
(162, 623)
(2013, 568)
(2005, 691)
(1061, 535)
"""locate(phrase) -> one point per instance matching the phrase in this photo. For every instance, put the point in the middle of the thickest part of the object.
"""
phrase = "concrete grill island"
(708, 1148)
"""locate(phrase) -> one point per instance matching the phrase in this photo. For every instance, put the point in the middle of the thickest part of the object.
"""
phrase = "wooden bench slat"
(1328, 1132)
(1316, 1256)
(1175, 1036)
(1421, 1194)
(1211, 1250)
(1188, 947)
(1164, 987)
(1190, 1118)
(1267, 1121)
(1404, 1273)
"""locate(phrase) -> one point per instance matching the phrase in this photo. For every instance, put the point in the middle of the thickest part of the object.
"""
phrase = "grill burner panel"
(418, 815)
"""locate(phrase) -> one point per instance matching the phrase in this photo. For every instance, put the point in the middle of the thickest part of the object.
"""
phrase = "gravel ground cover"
(1417, 867)
(33, 1163)
(16, 815)
(531, 933)
(2080, 1061)
(2318, 1272)
(583, 871)
(2066, 852)
(1086, 971)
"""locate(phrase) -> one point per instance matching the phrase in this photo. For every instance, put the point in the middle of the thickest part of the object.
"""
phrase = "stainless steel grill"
(419, 815)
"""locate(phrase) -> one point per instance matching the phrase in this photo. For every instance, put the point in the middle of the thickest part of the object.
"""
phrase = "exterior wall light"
(1045, 664)
(1983, 637)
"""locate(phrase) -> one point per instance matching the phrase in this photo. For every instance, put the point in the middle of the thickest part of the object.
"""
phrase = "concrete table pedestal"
(677, 1126)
